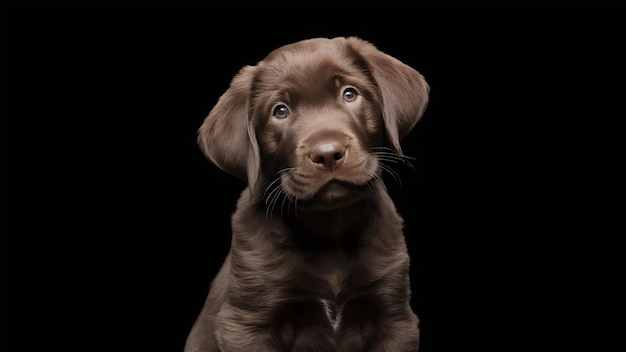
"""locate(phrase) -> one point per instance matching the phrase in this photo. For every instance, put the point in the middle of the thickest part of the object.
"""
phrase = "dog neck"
(342, 228)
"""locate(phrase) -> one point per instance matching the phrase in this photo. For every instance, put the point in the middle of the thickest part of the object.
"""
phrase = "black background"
(114, 223)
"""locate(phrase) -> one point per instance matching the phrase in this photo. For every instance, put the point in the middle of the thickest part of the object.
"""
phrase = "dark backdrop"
(114, 222)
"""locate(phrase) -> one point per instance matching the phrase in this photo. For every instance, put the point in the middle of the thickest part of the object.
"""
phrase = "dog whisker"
(269, 188)
(269, 204)
(286, 198)
(387, 158)
(373, 179)
(392, 172)
(285, 170)
(276, 196)
(390, 155)
(275, 190)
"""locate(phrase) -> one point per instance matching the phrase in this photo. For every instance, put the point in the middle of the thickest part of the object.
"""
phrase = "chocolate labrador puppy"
(318, 260)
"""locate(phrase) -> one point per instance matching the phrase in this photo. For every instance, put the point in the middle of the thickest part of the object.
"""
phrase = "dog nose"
(328, 155)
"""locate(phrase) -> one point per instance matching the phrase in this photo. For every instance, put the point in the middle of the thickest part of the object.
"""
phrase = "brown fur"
(318, 260)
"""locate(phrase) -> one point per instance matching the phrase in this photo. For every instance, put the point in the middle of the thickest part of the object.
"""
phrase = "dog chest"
(333, 312)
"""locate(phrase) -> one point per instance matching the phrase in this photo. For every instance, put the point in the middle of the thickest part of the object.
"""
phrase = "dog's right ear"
(226, 136)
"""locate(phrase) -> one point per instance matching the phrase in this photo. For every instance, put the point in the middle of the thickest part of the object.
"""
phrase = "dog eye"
(350, 94)
(280, 111)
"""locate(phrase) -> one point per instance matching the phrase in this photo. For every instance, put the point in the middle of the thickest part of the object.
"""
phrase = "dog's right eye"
(280, 111)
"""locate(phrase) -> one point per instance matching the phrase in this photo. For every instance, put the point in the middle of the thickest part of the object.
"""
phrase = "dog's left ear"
(403, 91)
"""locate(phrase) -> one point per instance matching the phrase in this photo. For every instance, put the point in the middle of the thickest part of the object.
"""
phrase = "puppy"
(318, 260)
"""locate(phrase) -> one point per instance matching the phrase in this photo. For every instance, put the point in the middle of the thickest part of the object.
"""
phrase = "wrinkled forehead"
(311, 71)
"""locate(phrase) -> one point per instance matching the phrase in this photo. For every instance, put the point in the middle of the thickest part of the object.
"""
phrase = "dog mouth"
(335, 194)
(330, 188)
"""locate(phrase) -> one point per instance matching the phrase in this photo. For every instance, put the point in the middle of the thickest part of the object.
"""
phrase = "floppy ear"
(403, 91)
(226, 136)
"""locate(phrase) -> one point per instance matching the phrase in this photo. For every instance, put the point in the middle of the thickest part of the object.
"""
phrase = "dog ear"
(403, 91)
(226, 136)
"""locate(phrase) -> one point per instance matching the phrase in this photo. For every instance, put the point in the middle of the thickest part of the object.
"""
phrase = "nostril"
(328, 155)
(318, 159)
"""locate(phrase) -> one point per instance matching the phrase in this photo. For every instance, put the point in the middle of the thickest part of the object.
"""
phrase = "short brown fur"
(318, 260)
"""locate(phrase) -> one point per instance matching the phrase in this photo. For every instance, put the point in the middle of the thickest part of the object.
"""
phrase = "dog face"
(313, 121)
(316, 123)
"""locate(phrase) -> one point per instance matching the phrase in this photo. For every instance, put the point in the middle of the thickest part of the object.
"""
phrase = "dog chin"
(335, 195)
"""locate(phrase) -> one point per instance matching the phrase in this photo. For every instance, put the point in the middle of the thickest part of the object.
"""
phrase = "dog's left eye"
(350, 94)
(280, 111)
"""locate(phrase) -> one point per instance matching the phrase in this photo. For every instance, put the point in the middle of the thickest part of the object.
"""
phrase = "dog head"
(314, 120)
